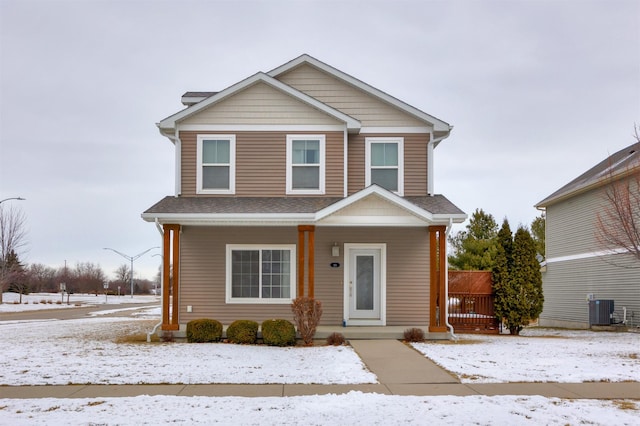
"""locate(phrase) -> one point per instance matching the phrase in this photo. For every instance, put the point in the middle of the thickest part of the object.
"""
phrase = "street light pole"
(131, 259)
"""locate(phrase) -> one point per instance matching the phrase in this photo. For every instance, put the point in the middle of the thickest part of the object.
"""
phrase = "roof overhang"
(401, 213)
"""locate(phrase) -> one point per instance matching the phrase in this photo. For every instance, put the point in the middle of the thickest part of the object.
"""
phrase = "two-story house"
(579, 266)
(304, 181)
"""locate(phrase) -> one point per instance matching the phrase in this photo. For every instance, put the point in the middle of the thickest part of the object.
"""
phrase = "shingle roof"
(614, 165)
(437, 204)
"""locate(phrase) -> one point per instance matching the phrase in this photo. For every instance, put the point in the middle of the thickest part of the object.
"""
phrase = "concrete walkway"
(400, 369)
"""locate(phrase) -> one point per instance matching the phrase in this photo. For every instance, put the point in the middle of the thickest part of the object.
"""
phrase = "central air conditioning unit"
(600, 312)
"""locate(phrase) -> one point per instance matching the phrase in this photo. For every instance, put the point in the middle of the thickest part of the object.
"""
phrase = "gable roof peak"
(439, 126)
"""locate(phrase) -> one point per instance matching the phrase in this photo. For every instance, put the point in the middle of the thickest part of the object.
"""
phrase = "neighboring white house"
(578, 266)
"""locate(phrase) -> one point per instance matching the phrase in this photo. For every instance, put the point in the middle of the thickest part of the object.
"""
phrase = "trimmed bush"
(204, 330)
(278, 332)
(414, 335)
(242, 331)
(336, 339)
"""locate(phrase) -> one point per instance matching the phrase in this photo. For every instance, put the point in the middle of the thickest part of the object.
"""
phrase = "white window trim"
(367, 159)
(232, 165)
(260, 300)
(321, 189)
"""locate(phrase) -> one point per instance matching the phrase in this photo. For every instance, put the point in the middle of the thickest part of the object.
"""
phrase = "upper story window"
(384, 158)
(216, 164)
(305, 164)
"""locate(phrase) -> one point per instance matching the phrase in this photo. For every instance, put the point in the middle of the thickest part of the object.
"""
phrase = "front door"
(364, 284)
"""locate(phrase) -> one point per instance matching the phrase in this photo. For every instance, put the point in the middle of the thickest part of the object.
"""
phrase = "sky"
(537, 91)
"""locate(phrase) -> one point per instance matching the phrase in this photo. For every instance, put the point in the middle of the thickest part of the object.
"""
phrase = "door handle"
(350, 288)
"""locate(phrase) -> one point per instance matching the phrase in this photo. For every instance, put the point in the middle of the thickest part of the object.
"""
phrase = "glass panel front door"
(364, 283)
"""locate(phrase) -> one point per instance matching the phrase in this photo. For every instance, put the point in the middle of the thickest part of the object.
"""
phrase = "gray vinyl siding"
(261, 164)
(567, 280)
(571, 225)
(566, 285)
(203, 274)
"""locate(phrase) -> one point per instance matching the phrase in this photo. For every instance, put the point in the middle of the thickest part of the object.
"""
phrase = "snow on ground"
(354, 408)
(85, 351)
(540, 355)
(40, 301)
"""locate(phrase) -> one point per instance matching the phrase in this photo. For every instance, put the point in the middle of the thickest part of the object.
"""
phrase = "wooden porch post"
(311, 242)
(300, 262)
(170, 318)
(310, 251)
(437, 299)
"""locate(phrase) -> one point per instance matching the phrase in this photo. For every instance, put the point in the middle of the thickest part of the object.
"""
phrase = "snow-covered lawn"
(40, 301)
(86, 351)
(354, 408)
(540, 355)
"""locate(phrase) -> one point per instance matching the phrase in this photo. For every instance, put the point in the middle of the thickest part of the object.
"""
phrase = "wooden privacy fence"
(471, 302)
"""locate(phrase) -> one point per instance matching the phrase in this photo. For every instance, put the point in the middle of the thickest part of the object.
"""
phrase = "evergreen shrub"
(204, 330)
(243, 332)
(278, 332)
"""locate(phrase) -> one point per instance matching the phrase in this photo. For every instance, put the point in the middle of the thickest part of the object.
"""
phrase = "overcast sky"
(538, 92)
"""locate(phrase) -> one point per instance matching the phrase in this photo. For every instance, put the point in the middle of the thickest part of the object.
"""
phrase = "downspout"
(430, 172)
(155, 328)
(178, 161)
(345, 166)
(446, 284)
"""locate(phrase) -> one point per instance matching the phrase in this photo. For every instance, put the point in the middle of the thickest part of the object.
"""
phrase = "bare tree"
(123, 275)
(618, 222)
(13, 237)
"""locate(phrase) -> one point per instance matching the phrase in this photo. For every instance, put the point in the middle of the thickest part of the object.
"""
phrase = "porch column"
(438, 298)
(170, 257)
(309, 230)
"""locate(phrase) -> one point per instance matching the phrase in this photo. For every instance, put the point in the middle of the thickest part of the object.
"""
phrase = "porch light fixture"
(335, 250)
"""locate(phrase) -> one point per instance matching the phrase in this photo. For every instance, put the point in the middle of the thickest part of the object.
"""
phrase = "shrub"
(414, 335)
(204, 330)
(306, 314)
(278, 332)
(243, 331)
(335, 339)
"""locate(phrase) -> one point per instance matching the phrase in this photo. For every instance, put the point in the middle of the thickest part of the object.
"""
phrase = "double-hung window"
(384, 158)
(216, 164)
(260, 274)
(305, 164)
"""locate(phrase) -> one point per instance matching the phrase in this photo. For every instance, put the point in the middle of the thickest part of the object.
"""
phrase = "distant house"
(578, 266)
(304, 181)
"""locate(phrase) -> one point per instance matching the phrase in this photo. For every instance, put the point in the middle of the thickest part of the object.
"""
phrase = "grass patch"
(136, 338)
(626, 405)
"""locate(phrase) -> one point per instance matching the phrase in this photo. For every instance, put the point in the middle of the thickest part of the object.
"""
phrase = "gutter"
(446, 287)
(155, 328)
